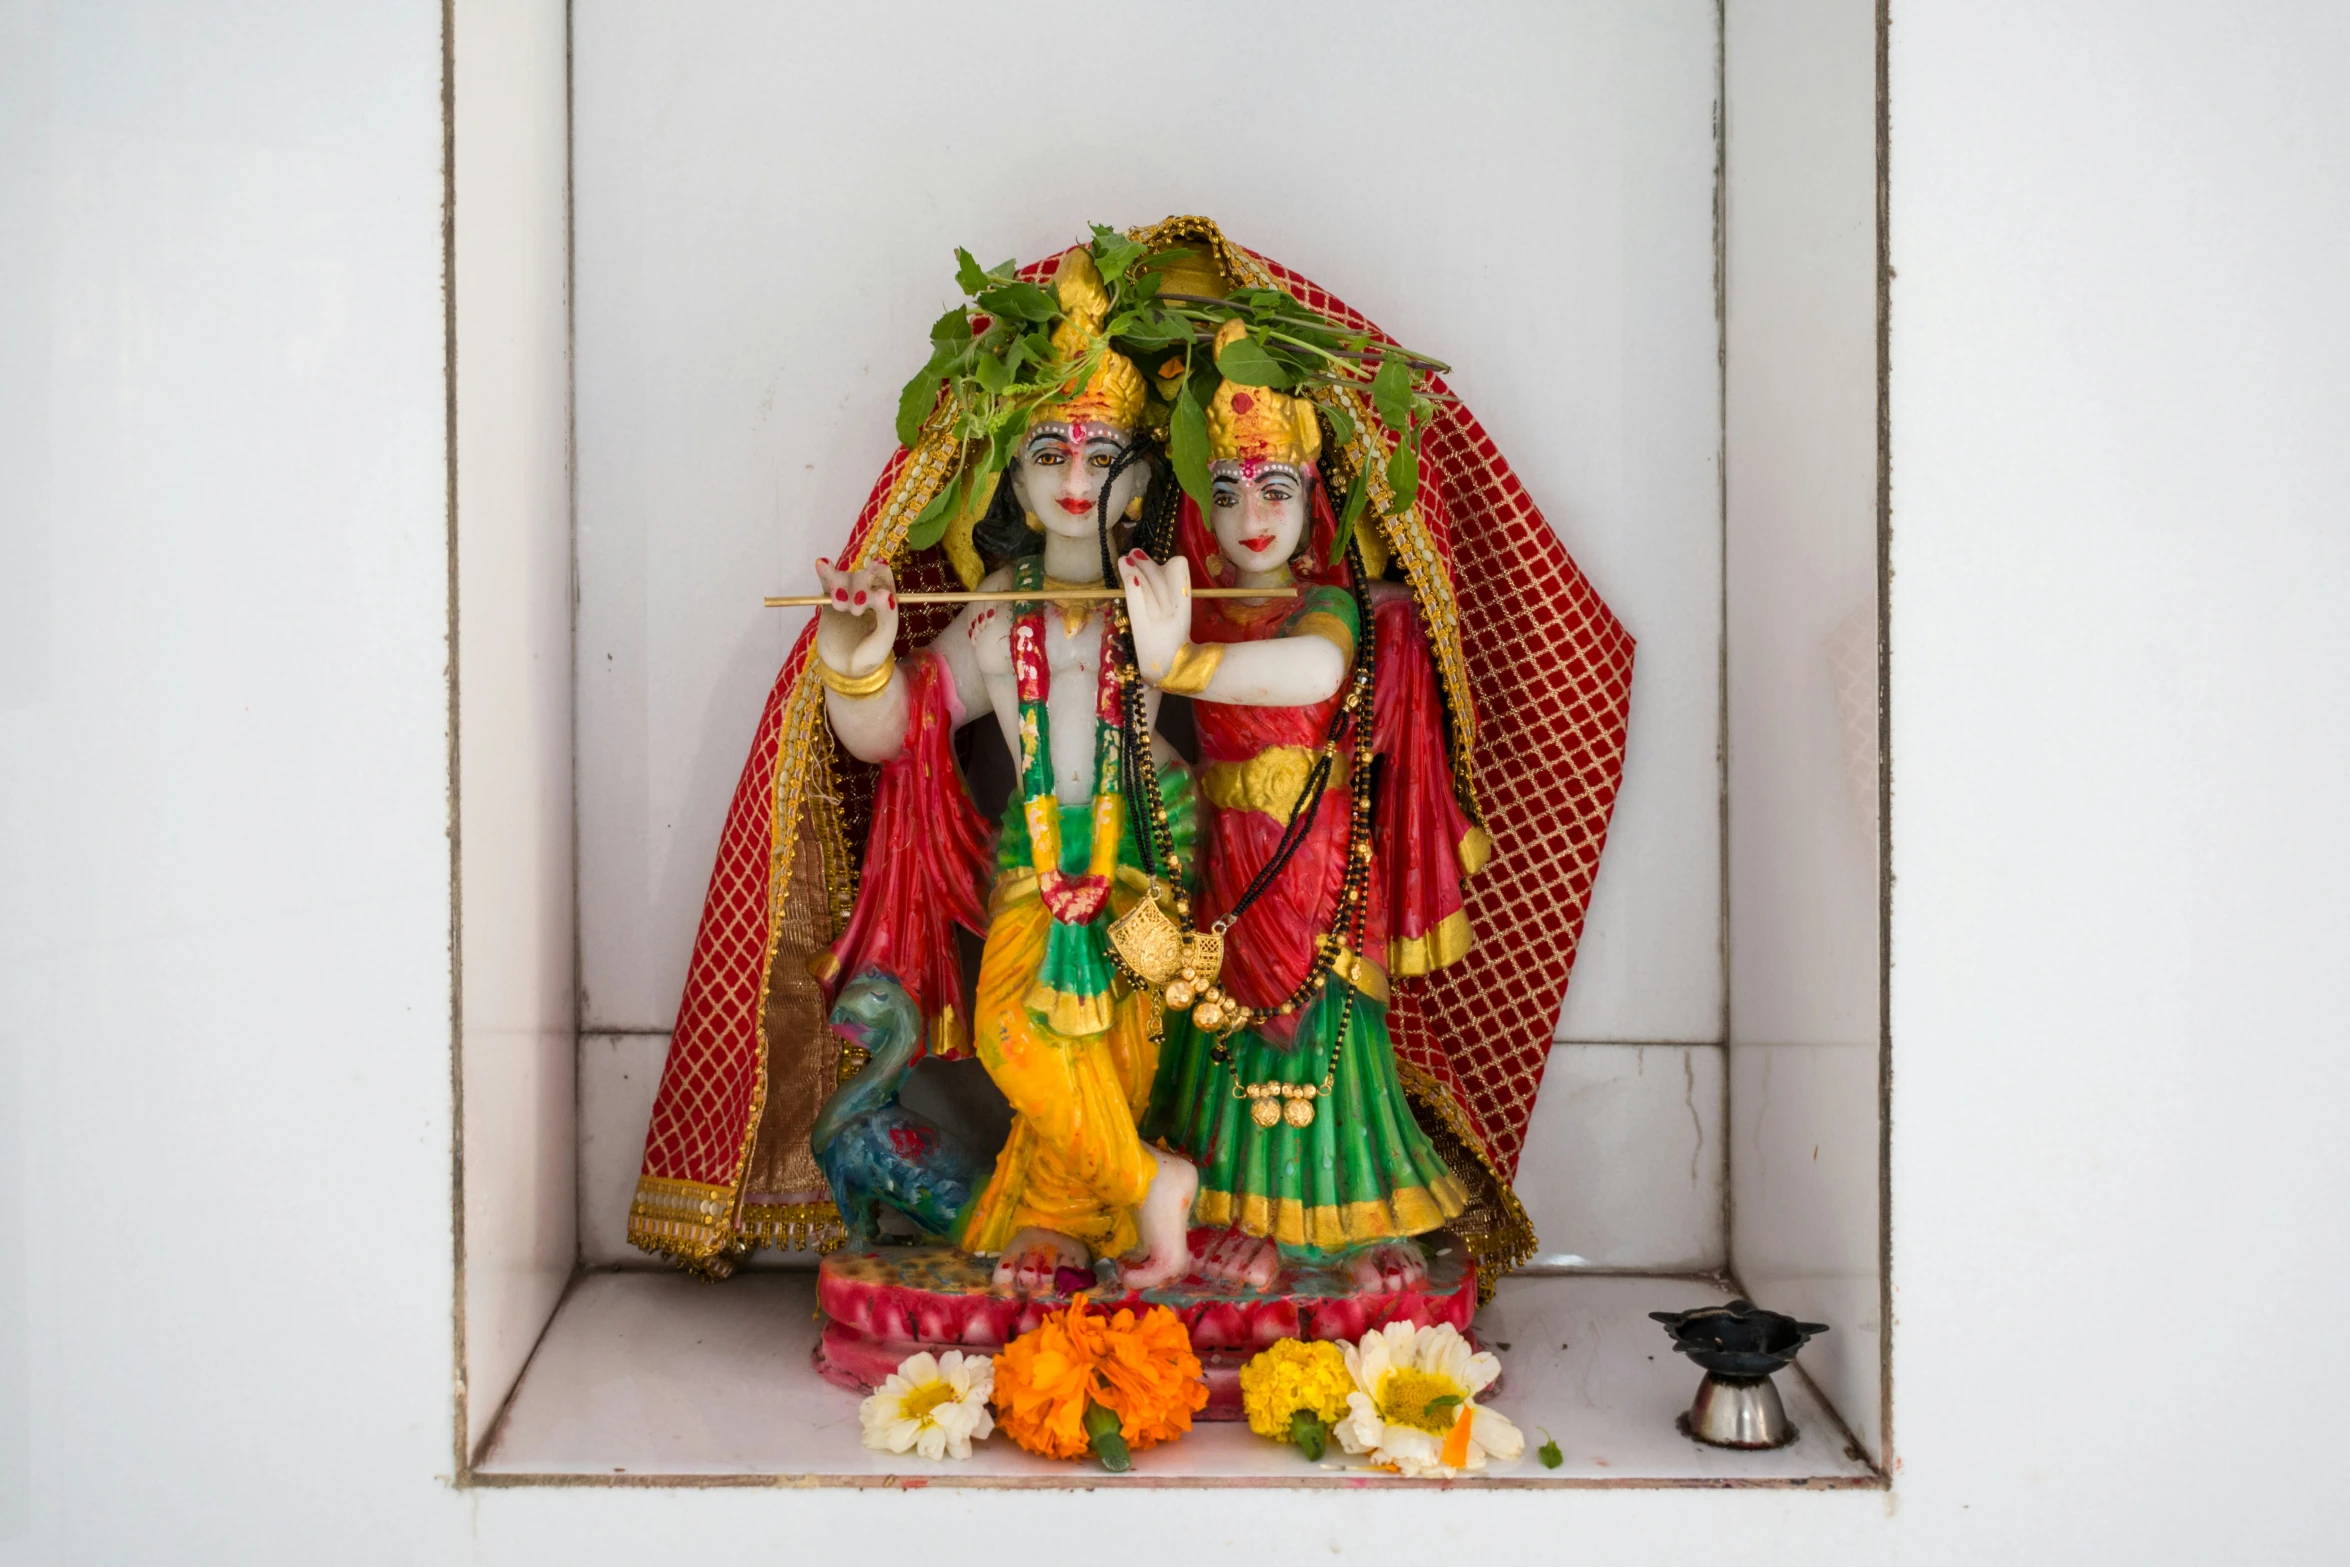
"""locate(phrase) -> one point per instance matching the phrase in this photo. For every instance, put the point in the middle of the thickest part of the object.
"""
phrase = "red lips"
(1258, 543)
(1075, 508)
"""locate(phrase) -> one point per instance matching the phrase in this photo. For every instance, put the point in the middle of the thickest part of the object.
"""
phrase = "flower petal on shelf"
(1496, 1433)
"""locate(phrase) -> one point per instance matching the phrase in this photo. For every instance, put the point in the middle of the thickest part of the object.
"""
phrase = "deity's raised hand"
(857, 628)
(1158, 607)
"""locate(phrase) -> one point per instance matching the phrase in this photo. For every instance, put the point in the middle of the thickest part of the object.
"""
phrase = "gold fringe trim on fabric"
(1495, 1227)
(1448, 941)
(686, 1221)
(791, 1226)
(1410, 1210)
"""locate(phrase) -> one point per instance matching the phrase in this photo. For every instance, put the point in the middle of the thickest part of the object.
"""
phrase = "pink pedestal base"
(884, 1304)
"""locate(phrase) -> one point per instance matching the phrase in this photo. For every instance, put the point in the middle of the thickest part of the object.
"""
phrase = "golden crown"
(1113, 394)
(1257, 423)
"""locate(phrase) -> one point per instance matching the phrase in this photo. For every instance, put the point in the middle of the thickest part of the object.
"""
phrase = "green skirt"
(1362, 1172)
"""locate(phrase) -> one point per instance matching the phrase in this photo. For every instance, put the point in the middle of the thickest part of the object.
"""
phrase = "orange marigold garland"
(1082, 1382)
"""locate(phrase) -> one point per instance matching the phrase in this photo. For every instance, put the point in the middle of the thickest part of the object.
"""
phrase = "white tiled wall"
(767, 202)
(618, 1074)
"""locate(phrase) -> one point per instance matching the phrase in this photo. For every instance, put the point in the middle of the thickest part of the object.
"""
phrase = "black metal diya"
(1739, 1345)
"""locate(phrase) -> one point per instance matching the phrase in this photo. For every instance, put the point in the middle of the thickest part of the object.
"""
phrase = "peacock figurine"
(872, 1150)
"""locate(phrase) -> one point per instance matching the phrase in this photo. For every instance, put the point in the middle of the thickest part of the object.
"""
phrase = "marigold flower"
(1293, 1376)
(1141, 1369)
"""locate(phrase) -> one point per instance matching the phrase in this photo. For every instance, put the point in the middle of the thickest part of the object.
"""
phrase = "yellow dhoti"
(1074, 1163)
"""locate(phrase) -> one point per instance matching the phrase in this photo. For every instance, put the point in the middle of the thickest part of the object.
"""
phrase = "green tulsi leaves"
(1358, 495)
(915, 403)
(993, 369)
(1403, 475)
(1147, 329)
(1114, 255)
(930, 524)
(1244, 360)
(968, 277)
(1549, 1452)
(1018, 302)
(1342, 423)
(1391, 393)
(1187, 445)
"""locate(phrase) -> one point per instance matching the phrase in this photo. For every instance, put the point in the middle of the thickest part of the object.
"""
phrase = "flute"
(1015, 596)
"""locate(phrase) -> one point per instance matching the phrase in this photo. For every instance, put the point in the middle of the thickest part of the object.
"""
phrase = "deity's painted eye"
(1100, 459)
(1226, 498)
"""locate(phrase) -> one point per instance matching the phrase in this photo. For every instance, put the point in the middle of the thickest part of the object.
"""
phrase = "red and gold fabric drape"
(1535, 677)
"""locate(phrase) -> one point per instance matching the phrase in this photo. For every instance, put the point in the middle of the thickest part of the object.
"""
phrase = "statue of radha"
(1285, 1090)
(1075, 1060)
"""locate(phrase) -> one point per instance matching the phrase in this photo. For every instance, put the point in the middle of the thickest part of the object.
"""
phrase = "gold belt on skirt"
(1270, 781)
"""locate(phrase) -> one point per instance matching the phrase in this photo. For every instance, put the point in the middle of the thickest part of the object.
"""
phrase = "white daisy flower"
(934, 1406)
(1414, 1405)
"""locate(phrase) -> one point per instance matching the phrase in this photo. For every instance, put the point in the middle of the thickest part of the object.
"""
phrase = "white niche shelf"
(682, 305)
(649, 1377)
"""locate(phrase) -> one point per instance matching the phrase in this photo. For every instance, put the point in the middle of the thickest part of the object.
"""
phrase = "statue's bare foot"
(1236, 1257)
(1165, 1222)
(1032, 1259)
(1388, 1268)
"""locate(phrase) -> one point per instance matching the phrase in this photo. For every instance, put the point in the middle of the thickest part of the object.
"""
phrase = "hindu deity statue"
(1268, 1013)
(1285, 1090)
(1074, 1060)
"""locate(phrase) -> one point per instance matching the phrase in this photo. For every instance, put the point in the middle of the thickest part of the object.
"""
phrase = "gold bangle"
(1194, 666)
(856, 685)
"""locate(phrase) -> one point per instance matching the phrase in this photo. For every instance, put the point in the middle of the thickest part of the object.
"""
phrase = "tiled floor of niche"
(649, 1377)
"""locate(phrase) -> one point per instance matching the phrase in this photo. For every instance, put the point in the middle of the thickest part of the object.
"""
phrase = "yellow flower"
(931, 1405)
(1293, 1376)
(1414, 1405)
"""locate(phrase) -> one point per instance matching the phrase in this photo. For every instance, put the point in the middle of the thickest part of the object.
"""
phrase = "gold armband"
(855, 685)
(1321, 623)
(1194, 666)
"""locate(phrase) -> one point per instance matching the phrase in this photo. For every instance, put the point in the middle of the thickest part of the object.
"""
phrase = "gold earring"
(1134, 509)
(1033, 525)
